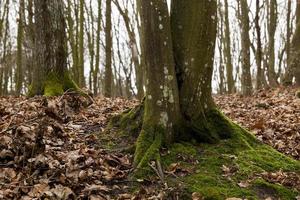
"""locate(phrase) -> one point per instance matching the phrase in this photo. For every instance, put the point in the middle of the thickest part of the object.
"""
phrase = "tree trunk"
(245, 40)
(227, 49)
(81, 82)
(271, 45)
(258, 56)
(179, 65)
(161, 110)
(50, 69)
(108, 52)
(293, 69)
(97, 59)
(19, 70)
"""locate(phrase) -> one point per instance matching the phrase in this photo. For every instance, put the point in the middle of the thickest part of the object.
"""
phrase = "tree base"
(235, 166)
(212, 128)
(55, 86)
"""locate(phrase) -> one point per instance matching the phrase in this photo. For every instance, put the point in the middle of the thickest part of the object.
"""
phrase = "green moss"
(211, 127)
(68, 83)
(53, 86)
(243, 154)
(148, 145)
(264, 190)
(128, 123)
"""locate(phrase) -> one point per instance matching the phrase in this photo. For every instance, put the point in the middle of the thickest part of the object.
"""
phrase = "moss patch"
(242, 154)
(214, 170)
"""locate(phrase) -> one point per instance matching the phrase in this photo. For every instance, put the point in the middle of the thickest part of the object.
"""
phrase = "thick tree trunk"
(161, 110)
(177, 106)
(194, 57)
(50, 69)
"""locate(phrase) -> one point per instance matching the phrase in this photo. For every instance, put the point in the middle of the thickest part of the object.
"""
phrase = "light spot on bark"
(170, 78)
(164, 119)
(171, 97)
(166, 92)
(159, 103)
(166, 71)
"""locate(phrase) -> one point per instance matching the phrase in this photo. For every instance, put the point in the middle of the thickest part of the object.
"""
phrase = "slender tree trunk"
(5, 49)
(227, 49)
(81, 82)
(108, 52)
(20, 36)
(258, 56)
(97, 59)
(245, 43)
(272, 10)
(73, 42)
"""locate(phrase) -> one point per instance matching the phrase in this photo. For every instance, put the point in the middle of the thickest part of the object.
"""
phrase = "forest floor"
(50, 147)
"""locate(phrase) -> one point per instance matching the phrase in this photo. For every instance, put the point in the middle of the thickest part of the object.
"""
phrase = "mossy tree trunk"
(50, 68)
(179, 53)
(161, 109)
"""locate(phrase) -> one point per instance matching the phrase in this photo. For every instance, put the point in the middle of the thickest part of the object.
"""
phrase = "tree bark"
(258, 53)
(272, 25)
(50, 69)
(81, 82)
(179, 65)
(97, 59)
(293, 69)
(20, 36)
(108, 82)
(245, 43)
(161, 110)
(227, 49)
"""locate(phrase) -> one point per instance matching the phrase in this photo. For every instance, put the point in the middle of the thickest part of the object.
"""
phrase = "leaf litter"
(49, 147)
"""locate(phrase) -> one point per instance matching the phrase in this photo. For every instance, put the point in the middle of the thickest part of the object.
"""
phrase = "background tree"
(50, 67)
(272, 25)
(19, 70)
(108, 52)
(293, 68)
(227, 51)
(246, 79)
(81, 81)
